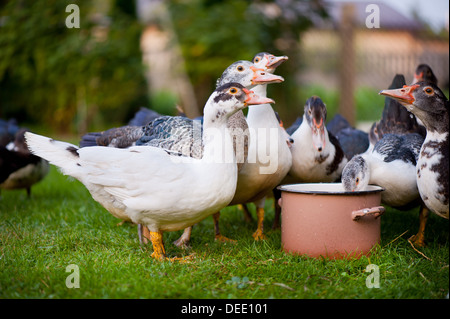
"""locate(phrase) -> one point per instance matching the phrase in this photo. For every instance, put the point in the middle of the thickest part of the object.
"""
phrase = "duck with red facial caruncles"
(427, 102)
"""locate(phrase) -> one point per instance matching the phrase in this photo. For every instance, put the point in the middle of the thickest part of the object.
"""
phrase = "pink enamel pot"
(323, 220)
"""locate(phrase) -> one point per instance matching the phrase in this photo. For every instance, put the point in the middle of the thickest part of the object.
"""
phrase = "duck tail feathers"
(61, 154)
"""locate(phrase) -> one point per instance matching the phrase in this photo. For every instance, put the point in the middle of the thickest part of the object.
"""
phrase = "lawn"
(61, 225)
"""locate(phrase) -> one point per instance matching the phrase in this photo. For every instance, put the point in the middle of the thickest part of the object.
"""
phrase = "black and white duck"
(427, 102)
(316, 154)
(152, 186)
(391, 164)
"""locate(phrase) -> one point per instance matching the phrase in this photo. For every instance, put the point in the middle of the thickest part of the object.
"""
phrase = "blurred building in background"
(397, 46)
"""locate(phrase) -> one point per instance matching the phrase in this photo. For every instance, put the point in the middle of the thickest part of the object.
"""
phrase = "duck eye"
(357, 181)
(233, 90)
(257, 59)
(309, 111)
(428, 90)
(240, 68)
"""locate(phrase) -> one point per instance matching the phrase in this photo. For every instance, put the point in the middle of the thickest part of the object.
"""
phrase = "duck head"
(315, 115)
(426, 101)
(424, 73)
(247, 74)
(267, 61)
(355, 176)
(232, 97)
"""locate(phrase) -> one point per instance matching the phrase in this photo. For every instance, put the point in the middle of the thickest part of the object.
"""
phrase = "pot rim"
(369, 190)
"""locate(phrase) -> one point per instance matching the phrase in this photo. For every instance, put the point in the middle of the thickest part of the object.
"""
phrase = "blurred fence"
(345, 54)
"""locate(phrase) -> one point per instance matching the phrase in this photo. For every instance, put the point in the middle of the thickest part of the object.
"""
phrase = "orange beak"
(403, 95)
(274, 61)
(253, 99)
(262, 77)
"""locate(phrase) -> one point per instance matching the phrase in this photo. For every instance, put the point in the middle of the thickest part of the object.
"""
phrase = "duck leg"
(144, 234)
(158, 246)
(247, 216)
(419, 239)
(218, 236)
(185, 238)
(259, 233)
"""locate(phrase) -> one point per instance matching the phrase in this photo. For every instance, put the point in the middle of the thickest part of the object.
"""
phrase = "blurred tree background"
(74, 80)
(57, 76)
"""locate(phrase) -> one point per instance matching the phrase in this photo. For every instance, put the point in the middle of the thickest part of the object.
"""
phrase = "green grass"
(61, 225)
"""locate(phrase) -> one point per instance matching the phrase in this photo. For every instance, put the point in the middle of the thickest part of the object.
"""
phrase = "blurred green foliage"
(214, 34)
(89, 78)
(50, 73)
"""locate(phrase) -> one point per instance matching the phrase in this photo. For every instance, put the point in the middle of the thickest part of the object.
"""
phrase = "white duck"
(152, 186)
(174, 132)
(269, 158)
(391, 164)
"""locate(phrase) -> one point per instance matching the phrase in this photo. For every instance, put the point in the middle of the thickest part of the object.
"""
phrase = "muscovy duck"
(395, 119)
(316, 154)
(171, 132)
(391, 164)
(426, 101)
(152, 186)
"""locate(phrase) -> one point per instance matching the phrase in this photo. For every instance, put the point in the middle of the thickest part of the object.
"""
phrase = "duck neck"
(261, 115)
(217, 142)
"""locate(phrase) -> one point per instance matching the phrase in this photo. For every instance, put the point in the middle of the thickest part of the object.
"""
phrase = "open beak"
(253, 99)
(318, 135)
(262, 77)
(274, 61)
(403, 95)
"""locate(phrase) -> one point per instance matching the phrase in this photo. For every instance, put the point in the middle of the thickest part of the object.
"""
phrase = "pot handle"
(376, 211)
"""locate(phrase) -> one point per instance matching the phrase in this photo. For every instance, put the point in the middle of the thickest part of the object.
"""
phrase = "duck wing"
(119, 137)
(400, 147)
(175, 133)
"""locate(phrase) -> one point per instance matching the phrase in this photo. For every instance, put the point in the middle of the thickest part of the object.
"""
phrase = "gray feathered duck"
(391, 164)
(427, 102)
(181, 134)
